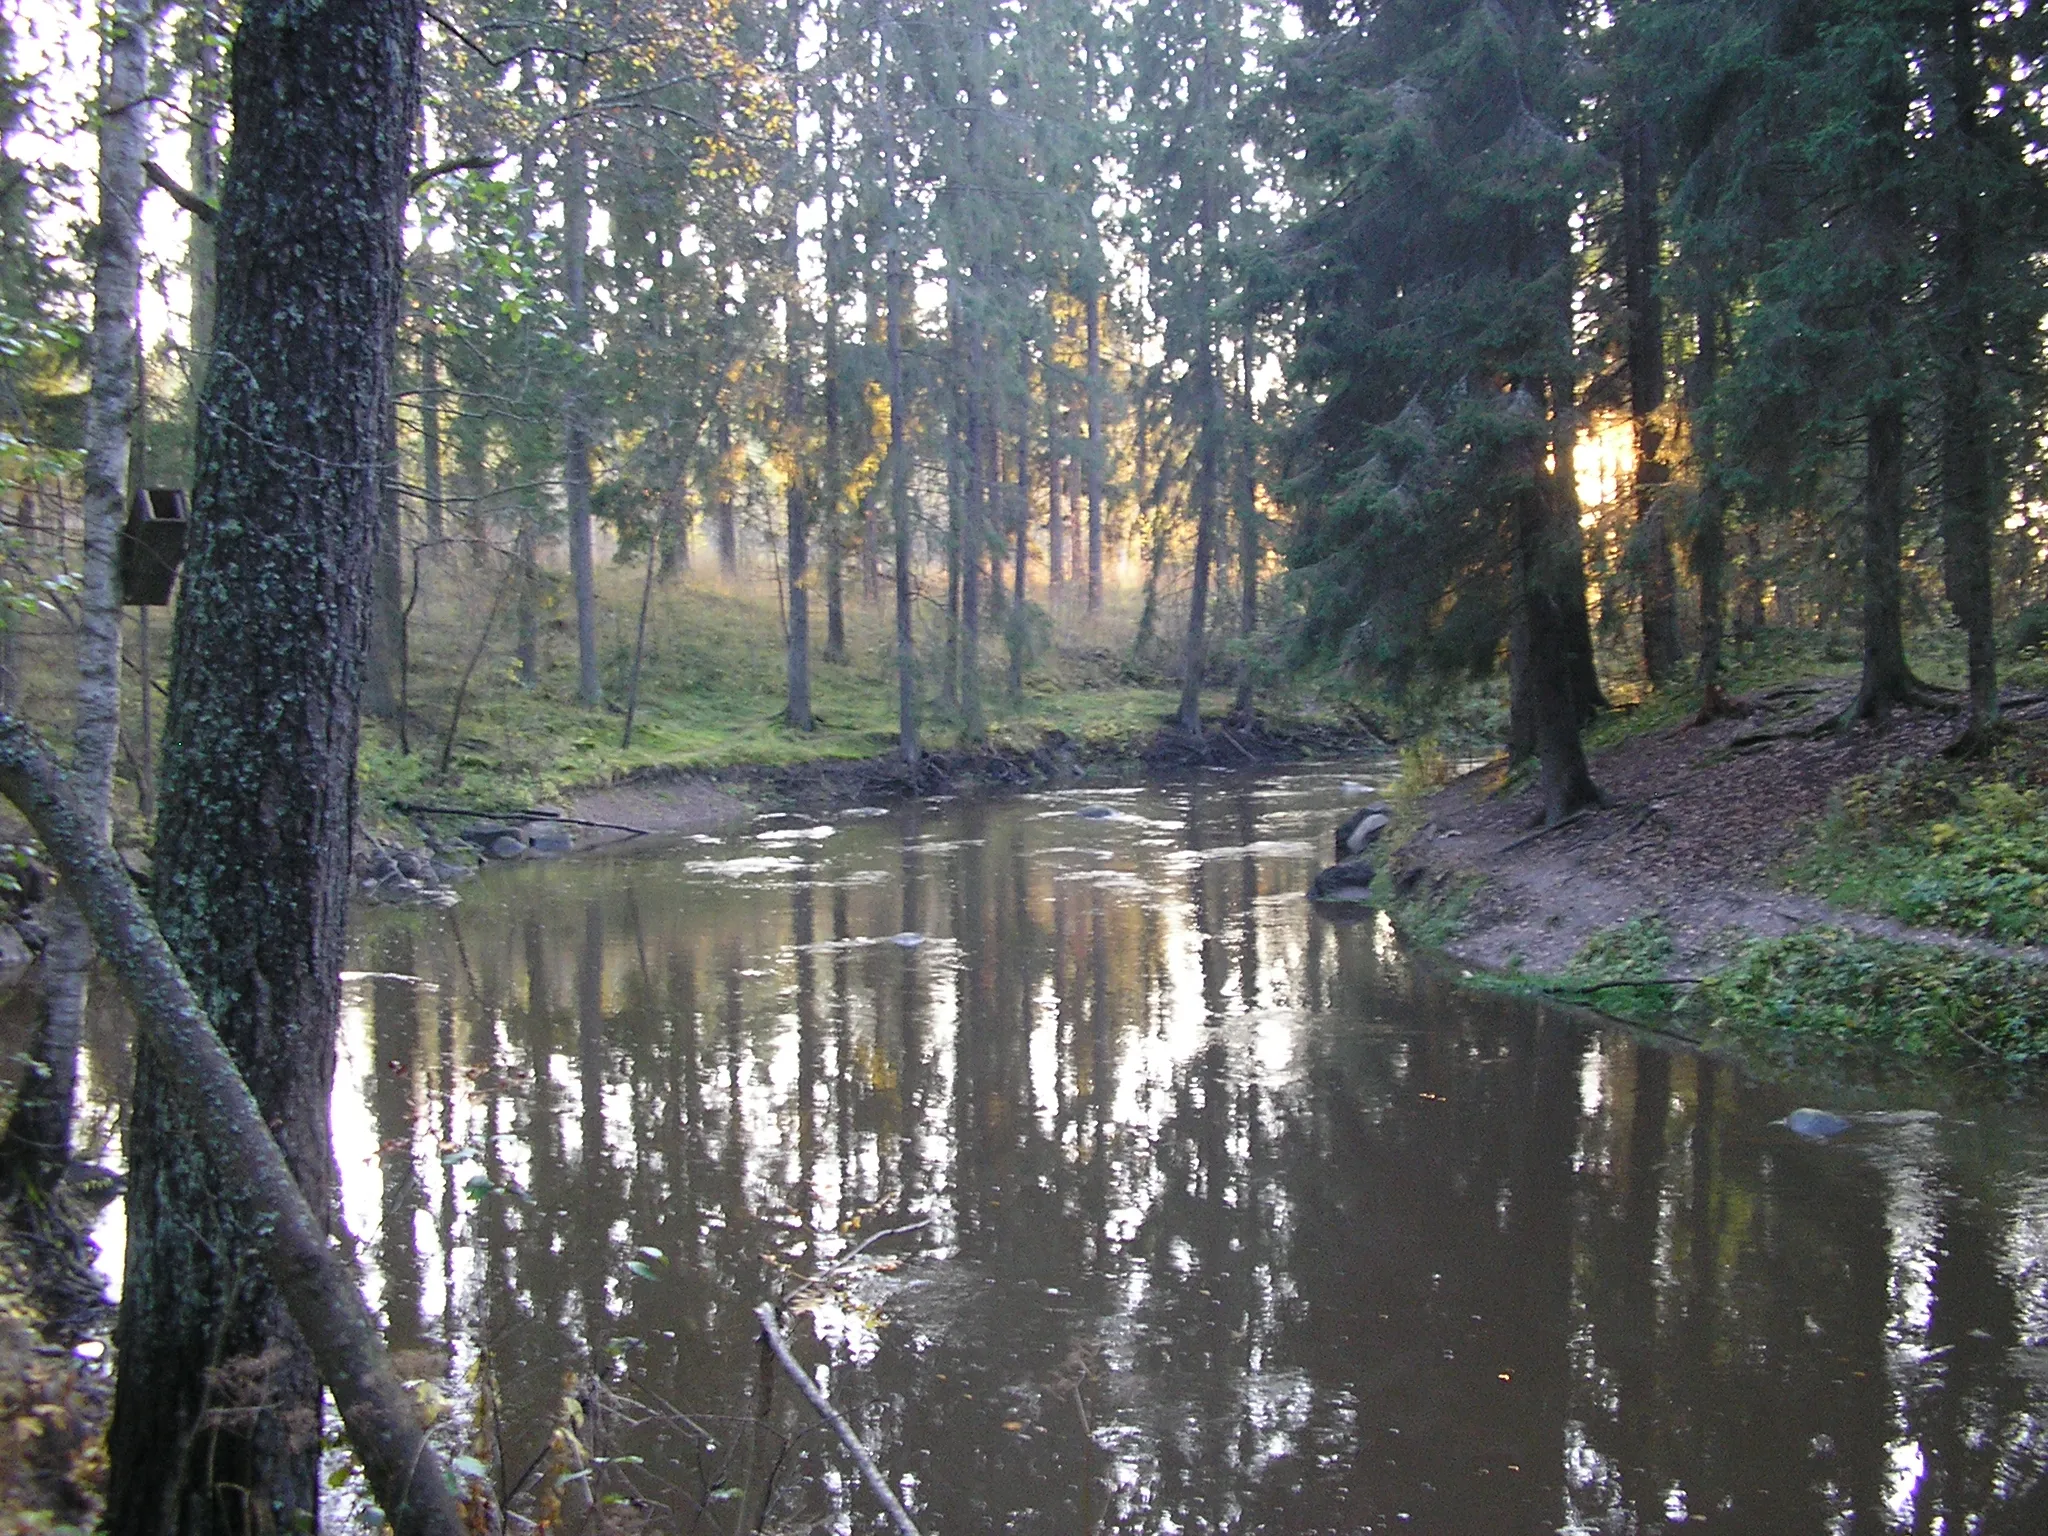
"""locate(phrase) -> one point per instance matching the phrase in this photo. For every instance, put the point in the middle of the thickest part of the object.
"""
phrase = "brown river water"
(1222, 1216)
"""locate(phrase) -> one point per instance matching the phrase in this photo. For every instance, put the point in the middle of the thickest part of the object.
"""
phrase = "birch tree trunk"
(575, 420)
(37, 1145)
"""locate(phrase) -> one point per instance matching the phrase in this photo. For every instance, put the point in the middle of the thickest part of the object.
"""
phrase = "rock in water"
(1095, 813)
(1348, 881)
(1361, 829)
(550, 837)
(1815, 1124)
(506, 847)
(485, 833)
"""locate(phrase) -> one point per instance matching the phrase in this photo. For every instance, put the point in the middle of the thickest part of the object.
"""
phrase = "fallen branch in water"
(869, 1472)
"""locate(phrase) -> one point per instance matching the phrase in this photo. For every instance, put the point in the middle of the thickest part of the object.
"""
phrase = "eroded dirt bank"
(1699, 818)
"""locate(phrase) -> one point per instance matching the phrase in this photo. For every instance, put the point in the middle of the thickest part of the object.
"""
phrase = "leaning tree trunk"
(258, 791)
(37, 1143)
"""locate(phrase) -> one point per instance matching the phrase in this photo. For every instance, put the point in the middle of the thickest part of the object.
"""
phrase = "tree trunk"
(1588, 699)
(200, 26)
(387, 577)
(728, 531)
(1641, 258)
(796, 507)
(1968, 470)
(526, 605)
(430, 429)
(1547, 555)
(1055, 522)
(973, 724)
(258, 790)
(1096, 449)
(1021, 530)
(834, 488)
(575, 408)
(1710, 531)
(1247, 532)
(1195, 649)
(899, 480)
(37, 1145)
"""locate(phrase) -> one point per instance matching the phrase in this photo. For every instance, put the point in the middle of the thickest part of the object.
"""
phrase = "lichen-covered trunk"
(216, 1422)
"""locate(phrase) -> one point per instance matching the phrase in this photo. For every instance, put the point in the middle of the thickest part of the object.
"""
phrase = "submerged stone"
(1815, 1124)
(1095, 813)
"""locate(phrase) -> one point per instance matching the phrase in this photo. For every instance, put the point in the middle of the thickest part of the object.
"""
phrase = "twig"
(183, 196)
(869, 1473)
(872, 1238)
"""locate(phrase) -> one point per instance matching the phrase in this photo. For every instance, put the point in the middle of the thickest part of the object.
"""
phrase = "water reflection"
(1223, 1217)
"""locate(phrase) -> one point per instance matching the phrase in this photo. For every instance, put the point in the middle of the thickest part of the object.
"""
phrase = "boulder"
(1361, 829)
(13, 950)
(415, 863)
(485, 833)
(550, 837)
(1348, 881)
(1095, 813)
(507, 845)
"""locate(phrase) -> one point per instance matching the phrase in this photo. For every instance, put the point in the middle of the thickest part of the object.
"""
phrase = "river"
(1185, 1208)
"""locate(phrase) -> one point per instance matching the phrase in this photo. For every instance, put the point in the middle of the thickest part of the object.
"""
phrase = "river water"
(1200, 1212)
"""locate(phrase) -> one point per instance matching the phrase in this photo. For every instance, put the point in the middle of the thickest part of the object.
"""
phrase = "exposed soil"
(1699, 817)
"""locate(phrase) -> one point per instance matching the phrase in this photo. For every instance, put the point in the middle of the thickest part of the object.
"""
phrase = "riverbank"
(1763, 876)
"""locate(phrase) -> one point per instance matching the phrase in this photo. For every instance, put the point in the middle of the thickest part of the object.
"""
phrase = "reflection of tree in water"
(1309, 1238)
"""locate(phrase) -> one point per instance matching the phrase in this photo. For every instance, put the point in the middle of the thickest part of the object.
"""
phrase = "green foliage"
(1937, 843)
(1830, 992)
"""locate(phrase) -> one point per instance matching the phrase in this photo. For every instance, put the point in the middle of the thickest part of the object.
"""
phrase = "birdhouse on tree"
(152, 545)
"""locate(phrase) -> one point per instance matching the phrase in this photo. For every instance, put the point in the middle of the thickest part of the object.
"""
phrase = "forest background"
(979, 366)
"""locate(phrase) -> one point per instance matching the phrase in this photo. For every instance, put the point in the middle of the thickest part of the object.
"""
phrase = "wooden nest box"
(152, 544)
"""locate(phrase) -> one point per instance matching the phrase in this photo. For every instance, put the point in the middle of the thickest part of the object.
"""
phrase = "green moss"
(1829, 993)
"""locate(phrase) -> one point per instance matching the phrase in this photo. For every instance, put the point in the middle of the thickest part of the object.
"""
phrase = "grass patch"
(1830, 994)
(1962, 846)
(1615, 971)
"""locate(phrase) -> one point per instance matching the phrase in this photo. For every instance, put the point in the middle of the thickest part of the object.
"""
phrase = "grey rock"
(506, 846)
(548, 838)
(445, 870)
(484, 833)
(13, 951)
(1815, 1124)
(1362, 828)
(1095, 813)
(1348, 881)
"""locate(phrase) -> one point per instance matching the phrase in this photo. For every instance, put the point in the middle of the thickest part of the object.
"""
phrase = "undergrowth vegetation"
(1956, 845)
(1826, 992)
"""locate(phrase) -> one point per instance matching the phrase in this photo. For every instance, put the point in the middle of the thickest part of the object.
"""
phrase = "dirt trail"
(1700, 816)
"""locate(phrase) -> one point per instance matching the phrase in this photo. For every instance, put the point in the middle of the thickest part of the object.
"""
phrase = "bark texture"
(575, 409)
(216, 1417)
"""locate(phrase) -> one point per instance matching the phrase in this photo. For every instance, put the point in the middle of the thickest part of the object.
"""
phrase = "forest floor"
(1836, 884)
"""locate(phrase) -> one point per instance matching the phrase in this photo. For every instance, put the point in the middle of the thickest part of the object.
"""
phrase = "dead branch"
(869, 1473)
